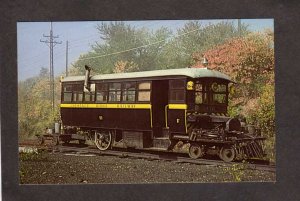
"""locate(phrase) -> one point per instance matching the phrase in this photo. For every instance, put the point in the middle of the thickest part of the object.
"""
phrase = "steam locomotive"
(174, 110)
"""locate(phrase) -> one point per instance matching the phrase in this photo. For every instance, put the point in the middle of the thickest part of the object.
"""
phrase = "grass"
(39, 156)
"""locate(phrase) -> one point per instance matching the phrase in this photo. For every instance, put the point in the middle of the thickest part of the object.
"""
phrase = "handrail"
(166, 115)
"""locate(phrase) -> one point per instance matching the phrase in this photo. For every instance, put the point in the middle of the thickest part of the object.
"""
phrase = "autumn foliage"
(249, 61)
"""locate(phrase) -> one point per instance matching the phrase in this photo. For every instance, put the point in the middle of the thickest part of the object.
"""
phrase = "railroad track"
(166, 156)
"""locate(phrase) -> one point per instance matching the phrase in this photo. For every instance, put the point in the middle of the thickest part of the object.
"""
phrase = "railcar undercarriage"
(222, 141)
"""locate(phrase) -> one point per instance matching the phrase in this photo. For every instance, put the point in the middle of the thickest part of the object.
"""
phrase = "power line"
(114, 53)
(51, 45)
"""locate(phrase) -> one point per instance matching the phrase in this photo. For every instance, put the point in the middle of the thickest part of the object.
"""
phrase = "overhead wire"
(114, 53)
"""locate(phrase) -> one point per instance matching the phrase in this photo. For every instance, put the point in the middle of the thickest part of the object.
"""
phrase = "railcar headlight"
(233, 125)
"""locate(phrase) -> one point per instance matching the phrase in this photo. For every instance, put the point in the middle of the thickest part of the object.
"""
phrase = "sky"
(33, 54)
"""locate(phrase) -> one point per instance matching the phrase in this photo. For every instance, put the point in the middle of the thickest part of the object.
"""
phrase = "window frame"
(138, 90)
(123, 90)
(114, 90)
(105, 90)
(63, 92)
(207, 90)
(173, 88)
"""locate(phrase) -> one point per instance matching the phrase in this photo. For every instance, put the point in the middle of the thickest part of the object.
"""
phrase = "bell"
(205, 62)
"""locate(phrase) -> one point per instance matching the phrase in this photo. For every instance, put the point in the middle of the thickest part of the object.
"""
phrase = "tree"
(35, 108)
(160, 49)
(197, 38)
(248, 60)
(121, 42)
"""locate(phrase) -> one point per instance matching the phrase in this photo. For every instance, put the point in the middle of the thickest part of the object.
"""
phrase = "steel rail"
(167, 156)
(151, 155)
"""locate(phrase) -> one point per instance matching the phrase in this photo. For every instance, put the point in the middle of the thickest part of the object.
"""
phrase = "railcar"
(161, 110)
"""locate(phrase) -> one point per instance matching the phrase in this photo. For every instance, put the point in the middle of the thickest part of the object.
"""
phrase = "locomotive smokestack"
(87, 77)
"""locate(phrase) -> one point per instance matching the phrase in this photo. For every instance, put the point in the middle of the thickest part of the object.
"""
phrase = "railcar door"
(159, 100)
(176, 117)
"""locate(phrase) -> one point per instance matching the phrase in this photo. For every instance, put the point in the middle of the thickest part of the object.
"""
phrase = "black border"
(287, 73)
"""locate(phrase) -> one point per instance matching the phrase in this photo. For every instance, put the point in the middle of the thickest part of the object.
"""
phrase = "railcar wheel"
(195, 151)
(103, 140)
(227, 154)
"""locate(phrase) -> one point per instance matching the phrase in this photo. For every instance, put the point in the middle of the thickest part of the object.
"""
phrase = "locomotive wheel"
(227, 154)
(103, 140)
(195, 151)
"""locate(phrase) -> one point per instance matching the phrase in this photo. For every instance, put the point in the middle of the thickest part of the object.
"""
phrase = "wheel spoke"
(227, 154)
(195, 151)
(103, 140)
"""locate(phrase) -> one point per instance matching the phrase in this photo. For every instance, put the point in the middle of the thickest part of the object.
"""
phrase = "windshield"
(210, 93)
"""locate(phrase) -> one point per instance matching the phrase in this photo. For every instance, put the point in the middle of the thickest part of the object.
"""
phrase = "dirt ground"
(58, 168)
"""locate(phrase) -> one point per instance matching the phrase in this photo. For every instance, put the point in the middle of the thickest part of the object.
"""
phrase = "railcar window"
(144, 93)
(144, 85)
(67, 96)
(101, 96)
(77, 92)
(198, 87)
(114, 92)
(67, 88)
(201, 93)
(198, 98)
(144, 96)
(101, 92)
(220, 88)
(77, 96)
(177, 84)
(89, 96)
(177, 93)
(67, 93)
(128, 92)
(219, 98)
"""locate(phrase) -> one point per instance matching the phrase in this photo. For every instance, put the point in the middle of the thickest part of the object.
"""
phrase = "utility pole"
(67, 48)
(239, 27)
(51, 43)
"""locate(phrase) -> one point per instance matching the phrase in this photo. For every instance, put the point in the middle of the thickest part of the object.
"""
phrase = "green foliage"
(35, 108)
(40, 156)
(264, 114)
(237, 172)
(249, 60)
(146, 50)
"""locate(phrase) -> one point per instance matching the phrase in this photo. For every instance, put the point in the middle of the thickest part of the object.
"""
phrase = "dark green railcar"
(162, 109)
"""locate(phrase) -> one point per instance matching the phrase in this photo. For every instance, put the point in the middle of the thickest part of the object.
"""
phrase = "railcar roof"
(188, 72)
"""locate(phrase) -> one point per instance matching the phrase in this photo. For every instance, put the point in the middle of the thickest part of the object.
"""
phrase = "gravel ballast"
(59, 168)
